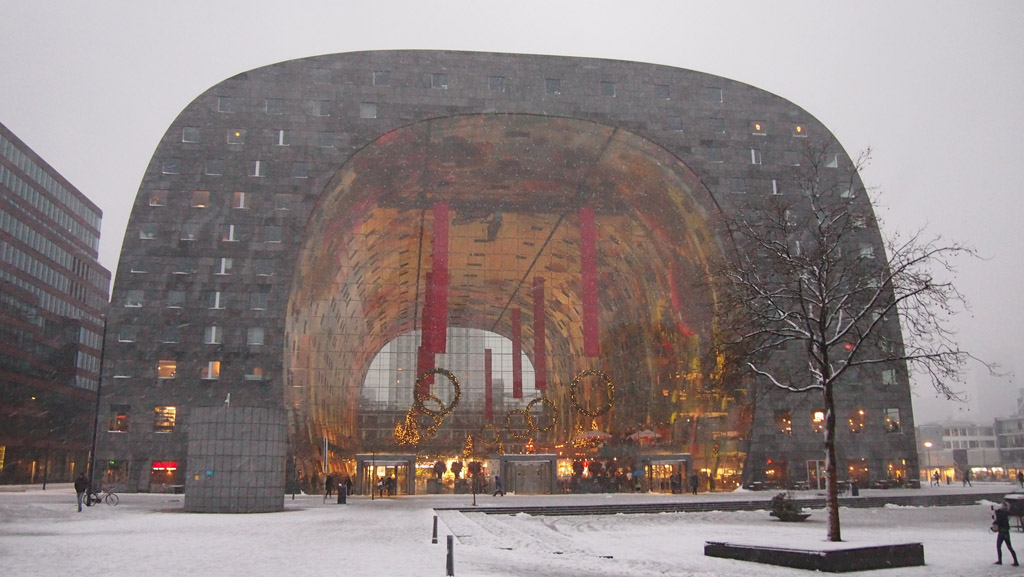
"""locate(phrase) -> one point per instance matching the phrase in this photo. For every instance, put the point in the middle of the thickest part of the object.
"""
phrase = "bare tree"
(808, 274)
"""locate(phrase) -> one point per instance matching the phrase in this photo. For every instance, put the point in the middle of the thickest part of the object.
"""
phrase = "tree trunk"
(832, 496)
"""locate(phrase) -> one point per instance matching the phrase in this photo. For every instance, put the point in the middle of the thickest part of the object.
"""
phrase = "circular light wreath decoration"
(497, 434)
(609, 388)
(418, 404)
(508, 424)
(554, 415)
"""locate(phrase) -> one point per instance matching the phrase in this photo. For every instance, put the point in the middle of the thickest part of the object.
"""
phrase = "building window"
(120, 419)
(275, 106)
(713, 94)
(182, 265)
(856, 421)
(166, 369)
(776, 189)
(147, 231)
(229, 233)
(496, 83)
(799, 130)
(321, 108)
(163, 419)
(226, 104)
(211, 371)
(892, 421)
(791, 158)
(284, 202)
(224, 266)
(214, 167)
(713, 155)
(717, 125)
(264, 266)
(190, 134)
(661, 91)
(118, 472)
(189, 231)
(553, 85)
(283, 138)
(254, 336)
(258, 168)
(272, 233)
(300, 170)
(240, 200)
(215, 300)
(122, 369)
(674, 123)
(368, 110)
(381, 78)
(127, 334)
(889, 377)
(236, 136)
(169, 335)
(138, 268)
(133, 298)
(171, 166)
(832, 161)
(755, 156)
(784, 422)
(439, 80)
(259, 300)
(200, 198)
(608, 89)
(175, 299)
(757, 128)
(213, 335)
(253, 372)
(327, 139)
(158, 198)
(818, 421)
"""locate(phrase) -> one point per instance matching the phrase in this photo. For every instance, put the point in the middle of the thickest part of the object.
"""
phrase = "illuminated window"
(758, 127)
(818, 421)
(892, 421)
(229, 233)
(163, 419)
(239, 200)
(254, 336)
(236, 136)
(200, 198)
(190, 134)
(213, 335)
(119, 419)
(166, 369)
(211, 371)
(118, 472)
(856, 421)
(784, 422)
(799, 130)
(133, 298)
(253, 372)
(158, 198)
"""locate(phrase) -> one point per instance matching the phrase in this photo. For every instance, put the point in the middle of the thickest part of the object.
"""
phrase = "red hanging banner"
(424, 363)
(588, 273)
(539, 357)
(439, 284)
(517, 355)
(488, 381)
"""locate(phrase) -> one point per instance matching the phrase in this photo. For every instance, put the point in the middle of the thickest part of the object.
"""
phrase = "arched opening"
(585, 246)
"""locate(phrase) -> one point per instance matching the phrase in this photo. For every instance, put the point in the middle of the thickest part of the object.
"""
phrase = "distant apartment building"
(53, 297)
(953, 447)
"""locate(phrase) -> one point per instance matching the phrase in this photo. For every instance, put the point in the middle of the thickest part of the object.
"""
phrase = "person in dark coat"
(329, 484)
(694, 483)
(1002, 526)
(81, 486)
(498, 488)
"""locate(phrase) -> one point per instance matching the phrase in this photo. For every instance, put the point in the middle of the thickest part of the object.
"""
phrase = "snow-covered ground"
(41, 533)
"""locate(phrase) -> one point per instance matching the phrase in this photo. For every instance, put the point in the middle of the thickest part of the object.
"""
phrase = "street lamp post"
(928, 451)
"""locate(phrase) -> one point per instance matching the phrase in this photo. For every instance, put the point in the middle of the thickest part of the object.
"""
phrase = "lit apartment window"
(892, 421)
(229, 233)
(758, 128)
(200, 198)
(784, 422)
(240, 200)
(253, 373)
(818, 421)
(120, 419)
(163, 419)
(166, 369)
(211, 371)
(236, 136)
(856, 421)
(158, 198)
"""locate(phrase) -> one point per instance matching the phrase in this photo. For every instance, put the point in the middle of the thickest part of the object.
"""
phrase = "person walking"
(1002, 528)
(694, 483)
(1020, 478)
(498, 488)
(81, 486)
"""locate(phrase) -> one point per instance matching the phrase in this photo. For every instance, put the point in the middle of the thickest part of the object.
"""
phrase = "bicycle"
(93, 497)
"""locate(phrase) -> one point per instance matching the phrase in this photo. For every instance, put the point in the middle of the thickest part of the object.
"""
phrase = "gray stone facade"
(212, 265)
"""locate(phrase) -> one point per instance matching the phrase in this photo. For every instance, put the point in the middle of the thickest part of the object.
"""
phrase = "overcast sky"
(934, 88)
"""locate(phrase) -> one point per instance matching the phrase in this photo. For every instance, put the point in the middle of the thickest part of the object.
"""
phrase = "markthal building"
(404, 266)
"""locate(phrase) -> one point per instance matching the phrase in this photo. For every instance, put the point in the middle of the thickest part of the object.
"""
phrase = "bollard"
(450, 565)
(433, 536)
(342, 495)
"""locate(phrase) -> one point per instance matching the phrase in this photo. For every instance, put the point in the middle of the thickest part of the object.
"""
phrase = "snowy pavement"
(42, 534)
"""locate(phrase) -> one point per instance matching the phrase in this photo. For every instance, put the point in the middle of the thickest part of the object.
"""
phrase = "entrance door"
(530, 478)
(816, 477)
(370, 476)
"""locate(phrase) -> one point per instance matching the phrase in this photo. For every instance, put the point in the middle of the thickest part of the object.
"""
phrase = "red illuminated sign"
(165, 465)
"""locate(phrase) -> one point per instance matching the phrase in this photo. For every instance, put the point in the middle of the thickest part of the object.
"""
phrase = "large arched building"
(314, 236)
